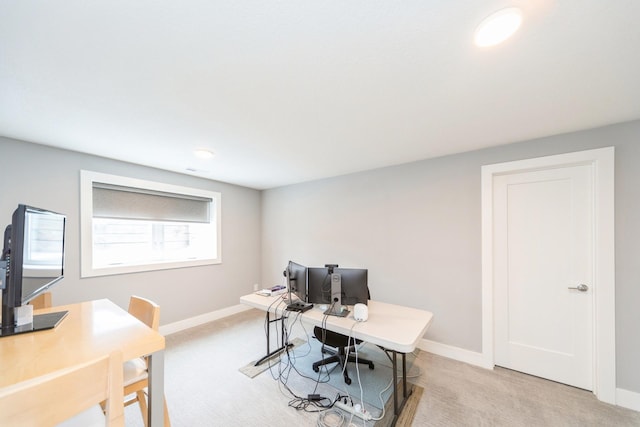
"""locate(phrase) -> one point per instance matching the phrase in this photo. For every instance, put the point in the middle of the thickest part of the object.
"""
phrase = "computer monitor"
(32, 261)
(353, 284)
(297, 280)
(355, 287)
(297, 283)
(318, 285)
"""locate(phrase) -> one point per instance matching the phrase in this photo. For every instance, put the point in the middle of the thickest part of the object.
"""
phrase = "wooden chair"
(41, 301)
(68, 397)
(136, 375)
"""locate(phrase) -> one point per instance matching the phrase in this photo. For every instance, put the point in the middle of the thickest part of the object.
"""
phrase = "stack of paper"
(274, 290)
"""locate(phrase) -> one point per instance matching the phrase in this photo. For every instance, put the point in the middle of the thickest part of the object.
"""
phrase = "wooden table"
(395, 328)
(91, 329)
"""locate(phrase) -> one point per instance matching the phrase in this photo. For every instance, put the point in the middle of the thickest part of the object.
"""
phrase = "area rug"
(369, 388)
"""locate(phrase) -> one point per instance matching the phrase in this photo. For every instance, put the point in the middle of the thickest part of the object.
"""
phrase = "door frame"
(604, 342)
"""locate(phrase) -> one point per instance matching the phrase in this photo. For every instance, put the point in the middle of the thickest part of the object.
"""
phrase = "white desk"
(396, 328)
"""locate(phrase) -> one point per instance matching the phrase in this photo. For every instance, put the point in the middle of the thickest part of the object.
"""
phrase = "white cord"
(364, 422)
(331, 418)
(382, 403)
(355, 346)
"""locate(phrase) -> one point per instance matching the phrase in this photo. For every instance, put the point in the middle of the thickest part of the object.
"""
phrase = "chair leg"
(142, 402)
(352, 358)
(347, 379)
(342, 359)
(167, 420)
(327, 360)
(329, 351)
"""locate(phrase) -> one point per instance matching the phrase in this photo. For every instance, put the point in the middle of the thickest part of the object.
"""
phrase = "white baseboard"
(181, 325)
(628, 399)
(455, 353)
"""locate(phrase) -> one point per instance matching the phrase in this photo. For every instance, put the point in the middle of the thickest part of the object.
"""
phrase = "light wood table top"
(91, 329)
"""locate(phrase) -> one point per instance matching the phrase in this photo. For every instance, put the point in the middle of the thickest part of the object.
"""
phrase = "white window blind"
(130, 225)
(115, 201)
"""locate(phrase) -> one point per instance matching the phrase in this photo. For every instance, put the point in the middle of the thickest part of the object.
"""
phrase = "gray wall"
(50, 178)
(417, 228)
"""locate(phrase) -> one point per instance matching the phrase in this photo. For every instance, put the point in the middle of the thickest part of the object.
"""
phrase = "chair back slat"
(53, 398)
(147, 311)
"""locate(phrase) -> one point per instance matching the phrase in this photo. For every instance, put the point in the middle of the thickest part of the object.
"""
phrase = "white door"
(543, 273)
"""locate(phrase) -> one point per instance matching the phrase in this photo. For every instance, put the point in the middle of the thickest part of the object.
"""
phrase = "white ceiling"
(295, 90)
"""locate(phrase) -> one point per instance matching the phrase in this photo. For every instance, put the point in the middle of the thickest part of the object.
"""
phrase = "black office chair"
(340, 344)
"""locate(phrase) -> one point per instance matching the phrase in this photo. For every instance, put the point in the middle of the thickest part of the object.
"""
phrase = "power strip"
(352, 409)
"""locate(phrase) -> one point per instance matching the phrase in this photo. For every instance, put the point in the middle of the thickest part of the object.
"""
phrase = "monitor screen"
(355, 288)
(319, 285)
(297, 280)
(34, 251)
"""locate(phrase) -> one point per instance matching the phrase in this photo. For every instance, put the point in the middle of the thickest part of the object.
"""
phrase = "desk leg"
(279, 349)
(397, 407)
(404, 376)
(156, 389)
(395, 386)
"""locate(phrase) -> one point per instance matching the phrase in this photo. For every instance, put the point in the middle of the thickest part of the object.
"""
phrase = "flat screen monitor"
(33, 257)
(319, 285)
(355, 287)
(354, 282)
(297, 280)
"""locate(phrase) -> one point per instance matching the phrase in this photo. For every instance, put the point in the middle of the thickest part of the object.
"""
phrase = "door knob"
(582, 288)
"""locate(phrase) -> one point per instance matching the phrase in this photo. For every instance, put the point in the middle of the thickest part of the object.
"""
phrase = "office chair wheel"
(371, 365)
(316, 368)
(347, 380)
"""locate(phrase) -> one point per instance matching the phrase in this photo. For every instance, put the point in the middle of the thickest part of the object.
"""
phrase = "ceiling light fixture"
(203, 153)
(498, 27)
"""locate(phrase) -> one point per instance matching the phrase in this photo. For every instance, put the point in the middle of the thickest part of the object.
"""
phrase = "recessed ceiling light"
(498, 27)
(203, 153)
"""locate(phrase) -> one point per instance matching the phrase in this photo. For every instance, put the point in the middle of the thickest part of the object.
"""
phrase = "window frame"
(87, 179)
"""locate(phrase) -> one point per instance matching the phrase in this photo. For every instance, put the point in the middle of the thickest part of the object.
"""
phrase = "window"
(130, 225)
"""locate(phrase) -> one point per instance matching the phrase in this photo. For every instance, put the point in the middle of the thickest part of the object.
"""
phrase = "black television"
(32, 261)
(353, 283)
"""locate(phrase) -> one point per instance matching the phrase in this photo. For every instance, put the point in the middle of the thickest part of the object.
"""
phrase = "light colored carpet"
(204, 387)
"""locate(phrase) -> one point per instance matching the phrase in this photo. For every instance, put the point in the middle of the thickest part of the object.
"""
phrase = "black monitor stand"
(336, 308)
(299, 306)
(40, 322)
